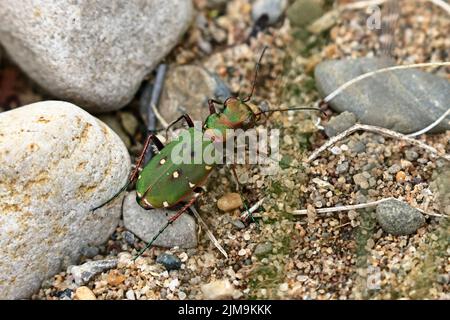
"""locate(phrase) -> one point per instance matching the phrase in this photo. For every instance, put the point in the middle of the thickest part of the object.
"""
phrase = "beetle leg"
(186, 117)
(168, 223)
(212, 109)
(157, 143)
(136, 170)
(233, 169)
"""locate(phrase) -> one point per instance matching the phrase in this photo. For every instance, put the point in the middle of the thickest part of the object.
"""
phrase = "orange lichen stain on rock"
(24, 220)
(40, 179)
(85, 132)
(81, 166)
(42, 119)
(83, 189)
(6, 207)
(37, 12)
(33, 147)
(60, 230)
(104, 129)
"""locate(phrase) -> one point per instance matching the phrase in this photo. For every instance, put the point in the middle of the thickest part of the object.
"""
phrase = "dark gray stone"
(342, 168)
(339, 123)
(398, 218)
(238, 224)
(89, 251)
(405, 100)
(128, 237)
(146, 223)
(263, 249)
(411, 155)
(169, 261)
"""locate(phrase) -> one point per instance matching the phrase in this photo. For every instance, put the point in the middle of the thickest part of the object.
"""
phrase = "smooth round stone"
(405, 100)
(95, 53)
(169, 261)
(398, 218)
(146, 223)
(57, 162)
(187, 90)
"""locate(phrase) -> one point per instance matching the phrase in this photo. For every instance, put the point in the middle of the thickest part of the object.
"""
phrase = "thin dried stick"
(364, 4)
(252, 209)
(349, 83)
(208, 232)
(379, 130)
(361, 4)
(444, 5)
(159, 116)
(360, 206)
(431, 126)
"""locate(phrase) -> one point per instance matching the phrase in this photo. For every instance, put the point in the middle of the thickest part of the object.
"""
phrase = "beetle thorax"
(236, 115)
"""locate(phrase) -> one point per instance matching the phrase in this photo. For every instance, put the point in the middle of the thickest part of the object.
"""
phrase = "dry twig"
(379, 130)
(208, 231)
(431, 126)
(360, 206)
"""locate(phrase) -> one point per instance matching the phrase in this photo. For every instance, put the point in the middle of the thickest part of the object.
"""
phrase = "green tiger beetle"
(163, 184)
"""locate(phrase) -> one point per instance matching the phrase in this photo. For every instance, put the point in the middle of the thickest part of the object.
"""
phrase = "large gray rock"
(398, 218)
(339, 123)
(187, 90)
(94, 53)
(405, 100)
(57, 162)
(146, 223)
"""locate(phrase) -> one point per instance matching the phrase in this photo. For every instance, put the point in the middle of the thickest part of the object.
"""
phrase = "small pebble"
(84, 293)
(263, 249)
(400, 177)
(238, 224)
(115, 279)
(130, 295)
(169, 261)
(361, 181)
(229, 202)
(219, 289)
(128, 237)
(284, 287)
(181, 295)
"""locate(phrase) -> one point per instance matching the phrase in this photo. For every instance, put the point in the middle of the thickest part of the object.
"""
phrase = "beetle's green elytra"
(163, 184)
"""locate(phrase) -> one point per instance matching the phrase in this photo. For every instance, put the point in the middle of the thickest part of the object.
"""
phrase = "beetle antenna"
(290, 109)
(258, 64)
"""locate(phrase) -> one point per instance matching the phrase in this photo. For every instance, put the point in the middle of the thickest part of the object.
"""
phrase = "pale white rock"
(57, 162)
(130, 295)
(219, 289)
(146, 223)
(94, 53)
(85, 272)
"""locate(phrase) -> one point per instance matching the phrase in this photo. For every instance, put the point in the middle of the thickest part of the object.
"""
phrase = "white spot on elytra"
(175, 174)
(191, 185)
(165, 204)
(162, 161)
(208, 167)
